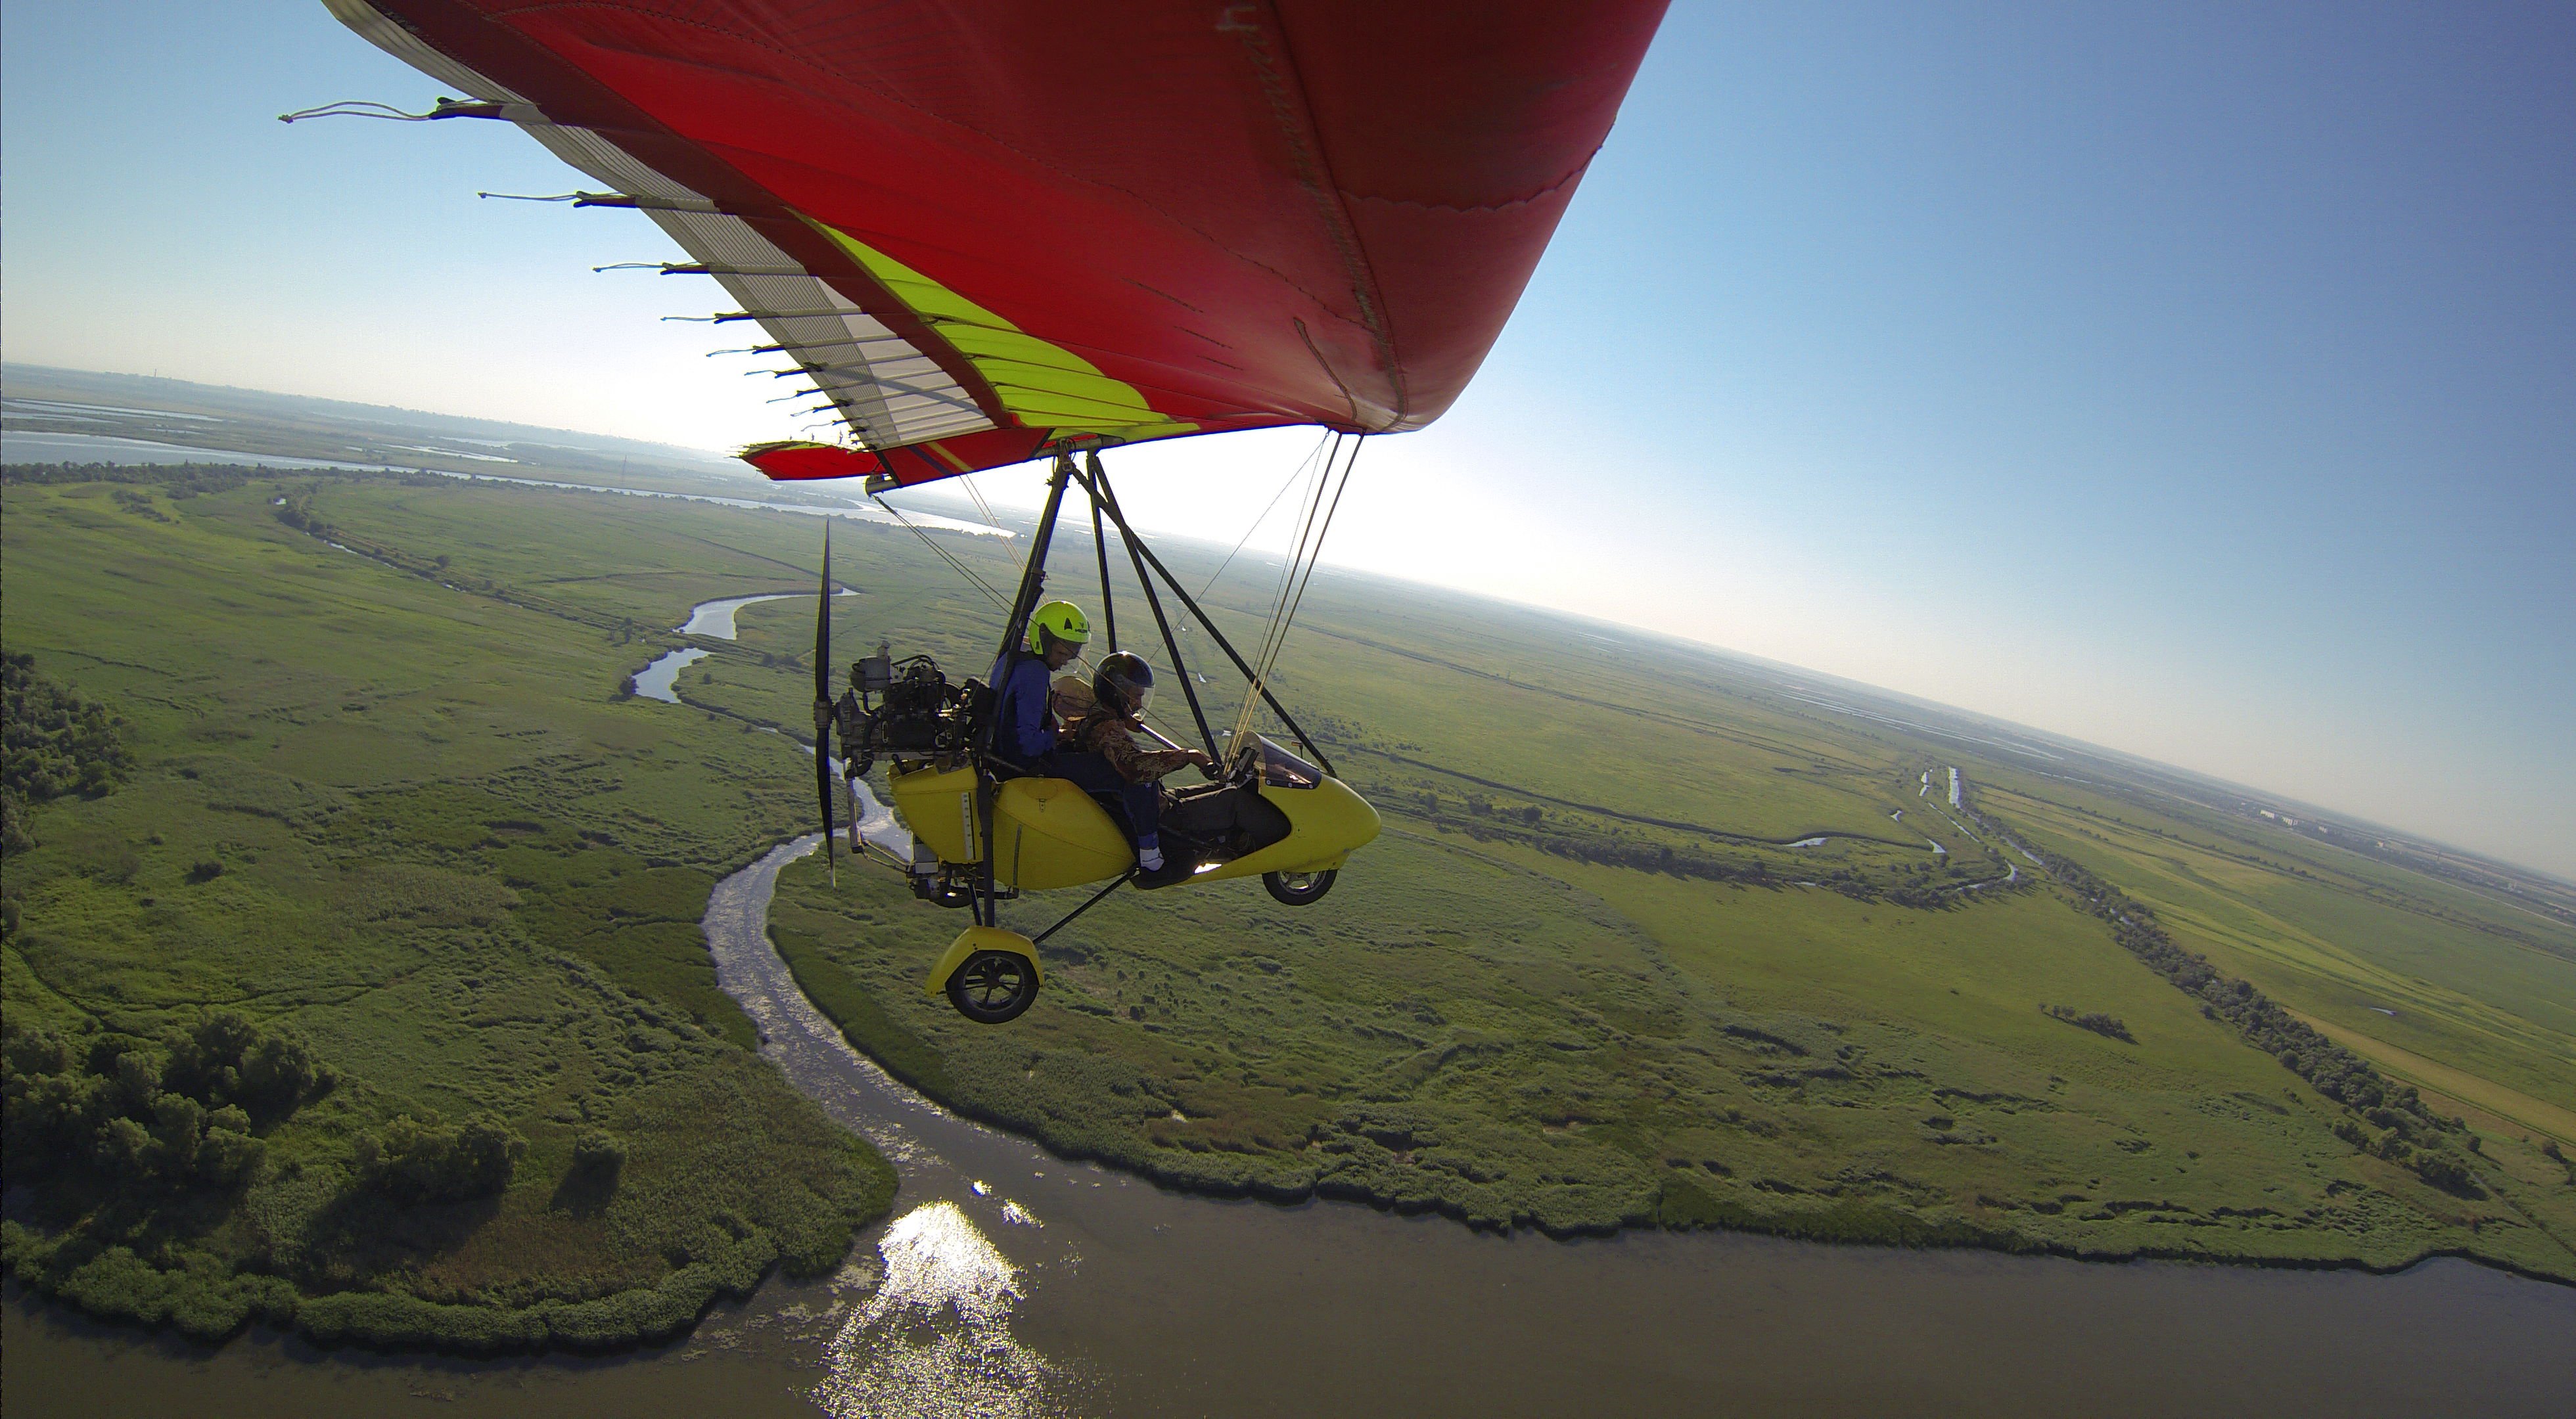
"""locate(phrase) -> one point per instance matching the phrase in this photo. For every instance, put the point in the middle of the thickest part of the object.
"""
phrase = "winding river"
(1009, 1282)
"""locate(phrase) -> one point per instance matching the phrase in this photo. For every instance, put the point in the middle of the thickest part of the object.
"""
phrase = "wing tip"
(800, 460)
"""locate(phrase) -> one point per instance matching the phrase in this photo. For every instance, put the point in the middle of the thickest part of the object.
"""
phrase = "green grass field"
(1582, 982)
(462, 865)
(1589, 978)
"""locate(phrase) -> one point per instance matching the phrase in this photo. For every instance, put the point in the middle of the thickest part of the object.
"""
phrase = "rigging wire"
(1315, 558)
(1036, 552)
(1288, 564)
(1288, 567)
(1288, 570)
(1297, 552)
(1310, 549)
(967, 481)
(1018, 563)
(927, 541)
(1294, 474)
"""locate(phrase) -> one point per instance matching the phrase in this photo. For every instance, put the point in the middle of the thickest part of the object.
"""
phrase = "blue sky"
(2196, 380)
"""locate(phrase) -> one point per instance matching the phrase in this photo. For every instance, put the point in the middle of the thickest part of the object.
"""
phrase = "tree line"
(178, 480)
(1926, 885)
(116, 1117)
(2400, 1126)
(119, 1116)
(2094, 1020)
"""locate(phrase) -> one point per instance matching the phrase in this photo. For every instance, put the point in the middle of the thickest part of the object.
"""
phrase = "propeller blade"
(823, 703)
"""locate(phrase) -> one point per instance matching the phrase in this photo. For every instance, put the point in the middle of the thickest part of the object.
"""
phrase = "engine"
(906, 710)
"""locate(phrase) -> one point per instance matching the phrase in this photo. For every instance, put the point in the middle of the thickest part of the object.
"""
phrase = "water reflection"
(935, 1339)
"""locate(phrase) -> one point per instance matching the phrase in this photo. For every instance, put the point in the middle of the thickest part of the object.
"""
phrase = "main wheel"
(1298, 889)
(993, 987)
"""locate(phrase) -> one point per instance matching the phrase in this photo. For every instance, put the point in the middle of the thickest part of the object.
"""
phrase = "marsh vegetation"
(371, 999)
(1644, 944)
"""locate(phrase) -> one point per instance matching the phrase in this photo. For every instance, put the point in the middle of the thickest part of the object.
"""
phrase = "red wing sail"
(983, 228)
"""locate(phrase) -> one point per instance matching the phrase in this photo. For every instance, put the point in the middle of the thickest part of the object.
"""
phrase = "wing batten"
(1000, 227)
(725, 237)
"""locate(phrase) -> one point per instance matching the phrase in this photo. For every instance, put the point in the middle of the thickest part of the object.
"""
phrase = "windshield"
(1281, 769)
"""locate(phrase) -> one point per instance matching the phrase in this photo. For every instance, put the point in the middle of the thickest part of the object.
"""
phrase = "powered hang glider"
(1006, 230)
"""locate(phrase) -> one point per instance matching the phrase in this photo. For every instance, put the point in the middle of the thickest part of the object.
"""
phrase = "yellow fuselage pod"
(1326, 824)
(939, 806)
(1048, 833)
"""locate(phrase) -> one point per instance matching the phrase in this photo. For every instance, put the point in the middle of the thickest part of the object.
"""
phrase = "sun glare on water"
(935, 1339)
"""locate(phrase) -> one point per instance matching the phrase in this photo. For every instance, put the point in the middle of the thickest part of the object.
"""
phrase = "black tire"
(1298, 889)
(993, 987)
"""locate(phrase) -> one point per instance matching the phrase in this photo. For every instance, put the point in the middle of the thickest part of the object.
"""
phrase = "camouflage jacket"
(1113, 737)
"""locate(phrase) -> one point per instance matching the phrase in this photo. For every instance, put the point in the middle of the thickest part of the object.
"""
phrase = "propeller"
(823, 703)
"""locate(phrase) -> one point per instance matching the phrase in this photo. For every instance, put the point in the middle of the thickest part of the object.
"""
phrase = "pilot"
(1024, 722)
(1103, 759)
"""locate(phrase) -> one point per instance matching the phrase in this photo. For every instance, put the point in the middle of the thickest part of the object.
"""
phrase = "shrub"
(226, 1059)
(14, 836)
(598, 1155)
(2444, 1171)
(2094, 1020)
(421, 1161)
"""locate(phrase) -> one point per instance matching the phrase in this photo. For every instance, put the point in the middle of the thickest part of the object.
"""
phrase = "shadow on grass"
(365, 1234)
(585, 1192)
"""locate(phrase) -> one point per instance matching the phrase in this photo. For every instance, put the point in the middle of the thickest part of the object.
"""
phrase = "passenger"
(1103, 759)
(1073, 703)
(1024, 721)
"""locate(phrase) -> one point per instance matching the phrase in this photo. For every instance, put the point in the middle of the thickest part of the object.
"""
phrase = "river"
(1007, 1281)
(712, 619)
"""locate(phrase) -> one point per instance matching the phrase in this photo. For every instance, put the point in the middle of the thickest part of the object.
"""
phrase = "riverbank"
(873, 1023)
(1215, 1044)
(1012, 1282)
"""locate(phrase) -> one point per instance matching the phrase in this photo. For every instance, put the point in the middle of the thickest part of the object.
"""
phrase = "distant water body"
(28, 446)
(33, 446)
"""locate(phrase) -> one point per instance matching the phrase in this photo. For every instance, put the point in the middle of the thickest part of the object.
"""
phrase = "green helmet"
(1058, 620)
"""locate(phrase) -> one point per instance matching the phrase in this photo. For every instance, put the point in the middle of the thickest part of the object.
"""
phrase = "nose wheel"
(1298, 889)
(993, 987)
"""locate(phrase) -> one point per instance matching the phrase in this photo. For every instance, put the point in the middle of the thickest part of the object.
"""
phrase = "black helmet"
(1124, 683)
